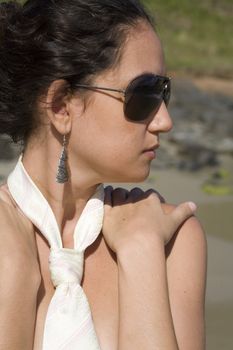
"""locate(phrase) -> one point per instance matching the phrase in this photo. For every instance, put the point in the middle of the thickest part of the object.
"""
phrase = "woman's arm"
(186, 271)
(145, 320)
(161, 302)
(137, 228)
(19, 280)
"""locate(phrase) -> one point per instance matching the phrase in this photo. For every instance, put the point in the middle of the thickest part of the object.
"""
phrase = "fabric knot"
(66, 266)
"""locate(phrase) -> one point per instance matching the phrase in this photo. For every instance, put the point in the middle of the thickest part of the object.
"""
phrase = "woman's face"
(103, 143)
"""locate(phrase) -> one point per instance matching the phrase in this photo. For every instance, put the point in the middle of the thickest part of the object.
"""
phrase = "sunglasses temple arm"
(99, 88)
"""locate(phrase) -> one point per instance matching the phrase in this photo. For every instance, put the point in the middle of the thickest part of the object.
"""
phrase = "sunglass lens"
(144, 96)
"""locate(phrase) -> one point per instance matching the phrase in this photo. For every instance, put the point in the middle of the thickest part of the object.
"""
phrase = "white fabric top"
(69, 324)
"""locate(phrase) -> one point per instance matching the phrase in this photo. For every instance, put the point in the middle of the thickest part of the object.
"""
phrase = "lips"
(153, 148)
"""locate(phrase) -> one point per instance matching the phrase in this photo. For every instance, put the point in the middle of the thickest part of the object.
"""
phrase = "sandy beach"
(215, 214)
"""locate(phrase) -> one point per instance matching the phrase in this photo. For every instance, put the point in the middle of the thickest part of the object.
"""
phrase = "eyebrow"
(146, 72)
(161, 72)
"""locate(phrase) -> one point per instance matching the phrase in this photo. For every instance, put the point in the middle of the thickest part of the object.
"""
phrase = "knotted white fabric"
(69, 324)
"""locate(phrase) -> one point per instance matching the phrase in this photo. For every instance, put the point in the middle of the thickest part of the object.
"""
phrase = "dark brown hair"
(46, 40)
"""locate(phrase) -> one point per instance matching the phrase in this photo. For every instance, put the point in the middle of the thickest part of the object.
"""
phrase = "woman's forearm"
(145, 320)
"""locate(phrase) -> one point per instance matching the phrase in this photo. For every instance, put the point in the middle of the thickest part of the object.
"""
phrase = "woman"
(83, 86)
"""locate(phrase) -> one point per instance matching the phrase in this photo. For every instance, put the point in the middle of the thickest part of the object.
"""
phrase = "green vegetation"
(219, 184)
(197, 35)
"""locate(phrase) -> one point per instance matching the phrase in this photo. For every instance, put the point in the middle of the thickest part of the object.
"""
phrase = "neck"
(66, 200)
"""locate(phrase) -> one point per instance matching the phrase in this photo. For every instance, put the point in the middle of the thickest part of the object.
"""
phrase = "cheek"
(108, 143)
(105, 130)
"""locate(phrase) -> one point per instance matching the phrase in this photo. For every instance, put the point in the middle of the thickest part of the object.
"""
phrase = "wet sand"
(219, 298)
(215, 214)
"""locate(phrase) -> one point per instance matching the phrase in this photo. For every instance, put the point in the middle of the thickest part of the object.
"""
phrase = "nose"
(162, 121)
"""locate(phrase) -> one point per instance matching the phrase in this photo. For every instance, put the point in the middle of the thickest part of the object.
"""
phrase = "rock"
(213, 111)
(195, 157)
(226, 146)
(203, 127)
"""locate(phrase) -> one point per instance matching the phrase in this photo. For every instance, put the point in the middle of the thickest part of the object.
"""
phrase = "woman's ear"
(59, 106)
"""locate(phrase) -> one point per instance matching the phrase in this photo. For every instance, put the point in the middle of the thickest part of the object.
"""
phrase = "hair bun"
(8, 13)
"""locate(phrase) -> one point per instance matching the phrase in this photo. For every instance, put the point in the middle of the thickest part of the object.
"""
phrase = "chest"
(100, 284)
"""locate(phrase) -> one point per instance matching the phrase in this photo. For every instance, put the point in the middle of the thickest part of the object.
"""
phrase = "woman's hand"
(138, 216)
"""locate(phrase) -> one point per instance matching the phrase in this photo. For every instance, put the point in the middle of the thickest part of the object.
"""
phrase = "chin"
(130, 175)
(137, 177)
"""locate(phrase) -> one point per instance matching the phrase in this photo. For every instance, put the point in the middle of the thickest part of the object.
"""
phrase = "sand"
(215, 214)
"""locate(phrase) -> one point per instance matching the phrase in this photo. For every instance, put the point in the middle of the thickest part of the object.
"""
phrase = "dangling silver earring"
(62, 173)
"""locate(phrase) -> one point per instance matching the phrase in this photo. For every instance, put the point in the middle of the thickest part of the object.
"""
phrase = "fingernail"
(193, 206)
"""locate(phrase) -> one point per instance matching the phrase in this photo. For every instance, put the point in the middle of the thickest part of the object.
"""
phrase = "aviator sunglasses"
(143, 96)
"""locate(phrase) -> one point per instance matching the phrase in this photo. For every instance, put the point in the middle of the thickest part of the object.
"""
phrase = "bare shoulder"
(5, 196)
(9, 211)
(190, 237)
(19, 275)
(187, 267)
(186, 275)
(16, 232)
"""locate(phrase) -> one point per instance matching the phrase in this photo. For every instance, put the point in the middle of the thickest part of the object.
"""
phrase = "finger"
(108, 196)
(135, 194)
(182, 212)
(151, 190)
(119, 196)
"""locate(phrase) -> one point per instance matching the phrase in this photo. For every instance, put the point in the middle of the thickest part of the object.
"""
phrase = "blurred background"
(196, 158)
(195, 161)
